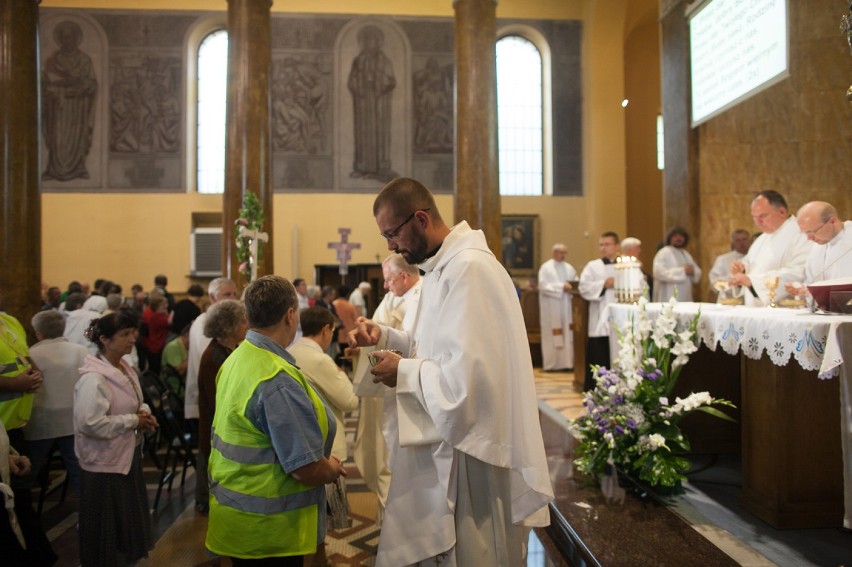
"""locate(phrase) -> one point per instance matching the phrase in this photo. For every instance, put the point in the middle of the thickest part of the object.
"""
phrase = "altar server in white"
(832, 256)
(781, 250)
(674, 269)
(721, 270)
(377, 419)
(554, 300)
(470, 477)
(597, 281)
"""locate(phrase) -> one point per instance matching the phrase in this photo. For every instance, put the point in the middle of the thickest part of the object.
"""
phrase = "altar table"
(796, 461)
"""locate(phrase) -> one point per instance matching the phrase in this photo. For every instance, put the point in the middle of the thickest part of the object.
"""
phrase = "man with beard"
(470, 477)
(674, 269)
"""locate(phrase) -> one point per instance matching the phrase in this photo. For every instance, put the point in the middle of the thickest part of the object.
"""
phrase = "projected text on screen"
(737, 47)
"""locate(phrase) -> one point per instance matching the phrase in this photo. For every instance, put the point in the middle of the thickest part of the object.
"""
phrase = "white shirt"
(670, 276)
(356, 298)
(197, 345)
(721, 270)
(592, 289)
(832, 259)
(53, 404)
(783, 252)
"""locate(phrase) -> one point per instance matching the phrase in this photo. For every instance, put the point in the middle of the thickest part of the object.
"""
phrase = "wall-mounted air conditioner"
(205, 252)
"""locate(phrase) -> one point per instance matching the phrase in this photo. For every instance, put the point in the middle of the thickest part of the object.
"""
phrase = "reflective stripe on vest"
(259, 504)
(241, 454)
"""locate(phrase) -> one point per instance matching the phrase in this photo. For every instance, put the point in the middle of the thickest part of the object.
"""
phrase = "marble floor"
(709, 505)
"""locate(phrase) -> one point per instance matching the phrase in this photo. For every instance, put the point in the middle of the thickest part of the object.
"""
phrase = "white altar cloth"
(816, 341)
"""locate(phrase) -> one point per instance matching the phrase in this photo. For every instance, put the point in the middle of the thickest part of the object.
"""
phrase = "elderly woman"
(226, 325)
(109, 421)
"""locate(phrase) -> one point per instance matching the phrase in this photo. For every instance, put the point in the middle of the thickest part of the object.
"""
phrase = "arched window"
(520, 116)
(210, 112)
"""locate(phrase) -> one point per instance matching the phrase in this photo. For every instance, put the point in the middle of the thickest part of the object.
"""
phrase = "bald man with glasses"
(832, 256)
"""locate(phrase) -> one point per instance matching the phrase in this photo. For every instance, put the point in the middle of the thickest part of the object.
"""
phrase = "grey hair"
(398, 264)
(50, 323)
(214, 286)
(223, 318)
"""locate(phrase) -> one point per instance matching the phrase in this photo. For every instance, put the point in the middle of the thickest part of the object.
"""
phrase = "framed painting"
(521, 235)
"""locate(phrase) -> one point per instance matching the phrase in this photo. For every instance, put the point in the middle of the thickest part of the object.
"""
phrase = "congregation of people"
(446, 415)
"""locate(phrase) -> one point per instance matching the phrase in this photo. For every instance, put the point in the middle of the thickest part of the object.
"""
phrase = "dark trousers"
(597, 353)
(291, 561)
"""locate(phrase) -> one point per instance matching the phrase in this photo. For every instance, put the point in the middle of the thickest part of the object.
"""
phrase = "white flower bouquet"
(630, 422)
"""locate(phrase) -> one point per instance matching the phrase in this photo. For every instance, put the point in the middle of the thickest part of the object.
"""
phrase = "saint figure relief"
(371, 82)
(69, 87)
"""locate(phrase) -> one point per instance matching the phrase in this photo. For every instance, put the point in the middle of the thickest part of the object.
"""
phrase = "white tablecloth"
(809, 338)
(816, 342)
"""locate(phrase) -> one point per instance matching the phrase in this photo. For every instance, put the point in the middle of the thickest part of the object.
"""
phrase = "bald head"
(819, 221)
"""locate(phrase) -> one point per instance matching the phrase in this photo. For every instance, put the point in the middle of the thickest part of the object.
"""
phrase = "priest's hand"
(19, 465)
(386, 369)
(740, 279)
(737, 267)
(365, 333)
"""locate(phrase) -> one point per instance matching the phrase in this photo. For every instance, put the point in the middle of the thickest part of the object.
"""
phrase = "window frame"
(537, 39)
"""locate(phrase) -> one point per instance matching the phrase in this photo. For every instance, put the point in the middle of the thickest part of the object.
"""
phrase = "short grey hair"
(50, 323)
(630, 242)
(214, 286)
(398, 265)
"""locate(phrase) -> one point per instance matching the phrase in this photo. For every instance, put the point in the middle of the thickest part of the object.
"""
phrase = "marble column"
(20, 208)
(477, 195)
(248, 142)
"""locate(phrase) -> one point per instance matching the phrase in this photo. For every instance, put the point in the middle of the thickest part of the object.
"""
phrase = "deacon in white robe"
(376, 436)
(554, 299)
(674, 269)
(597, 281)
(470, 477)
(781, 250)
(721, 270)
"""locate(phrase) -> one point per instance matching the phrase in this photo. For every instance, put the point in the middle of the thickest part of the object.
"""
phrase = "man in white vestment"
(632, 246)
(674, 269)
(778, 254)
(721, 270)
(597, 281)
(377, 418)
(832, 256)
(217, 290)
(470, 477)
(301, 293)
(554, 300)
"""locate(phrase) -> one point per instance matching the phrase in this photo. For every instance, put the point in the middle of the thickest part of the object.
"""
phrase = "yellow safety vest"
(15, 407)
(256, 509)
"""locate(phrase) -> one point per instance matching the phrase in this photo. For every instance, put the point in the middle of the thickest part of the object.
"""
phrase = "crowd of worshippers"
(78, 389)
(796, 250)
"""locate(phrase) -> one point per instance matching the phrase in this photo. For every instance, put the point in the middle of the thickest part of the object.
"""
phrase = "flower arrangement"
(630, 422)
(251, 217)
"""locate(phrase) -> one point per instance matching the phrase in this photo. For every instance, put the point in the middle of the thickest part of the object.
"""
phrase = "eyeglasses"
(392, 234)
(816, 230)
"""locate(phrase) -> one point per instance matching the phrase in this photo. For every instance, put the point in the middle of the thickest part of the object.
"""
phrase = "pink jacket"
(105, 420)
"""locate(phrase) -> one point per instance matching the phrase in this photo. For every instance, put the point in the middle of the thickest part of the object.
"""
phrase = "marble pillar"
(477, 194)
(248, 167)
(20, 208)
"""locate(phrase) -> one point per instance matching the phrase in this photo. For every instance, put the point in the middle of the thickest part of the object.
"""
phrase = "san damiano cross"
(344, 249)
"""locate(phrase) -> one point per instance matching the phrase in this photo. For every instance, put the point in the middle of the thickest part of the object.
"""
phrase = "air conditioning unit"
(205, 252)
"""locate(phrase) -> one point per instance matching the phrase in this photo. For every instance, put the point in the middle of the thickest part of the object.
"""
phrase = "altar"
(795, 451)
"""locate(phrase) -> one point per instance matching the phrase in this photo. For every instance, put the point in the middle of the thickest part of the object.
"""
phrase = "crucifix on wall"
(344, 249)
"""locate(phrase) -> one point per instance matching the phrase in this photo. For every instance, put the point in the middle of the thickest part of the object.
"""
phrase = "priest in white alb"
(554, 300)
(674, 269)
(376, 431)
(831, 257)
(779, 253)
(470, 478)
